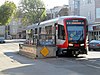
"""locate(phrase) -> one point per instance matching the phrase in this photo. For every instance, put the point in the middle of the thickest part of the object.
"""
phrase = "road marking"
(93, 66)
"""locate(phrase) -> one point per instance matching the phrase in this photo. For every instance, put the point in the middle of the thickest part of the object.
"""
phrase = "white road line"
(93, 66)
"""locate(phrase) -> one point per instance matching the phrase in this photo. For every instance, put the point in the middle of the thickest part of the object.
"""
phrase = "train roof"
(31, 26)
(52, 20)
(62, 17)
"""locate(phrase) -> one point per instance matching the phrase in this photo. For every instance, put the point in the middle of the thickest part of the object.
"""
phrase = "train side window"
(48, 29)
(39, 29)
(61, 32)
(35, 30)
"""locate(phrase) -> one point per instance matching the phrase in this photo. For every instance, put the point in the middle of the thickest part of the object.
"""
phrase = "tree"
(31, 11)
(7, 11)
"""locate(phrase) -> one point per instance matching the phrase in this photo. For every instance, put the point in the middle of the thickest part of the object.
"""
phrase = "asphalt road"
(11, 63)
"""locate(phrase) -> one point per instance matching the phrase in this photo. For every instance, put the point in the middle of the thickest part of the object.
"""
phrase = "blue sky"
(48, 3)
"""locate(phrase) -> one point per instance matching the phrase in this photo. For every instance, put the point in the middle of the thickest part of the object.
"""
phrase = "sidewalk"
(15, 40)
(14, 64)
(6, 62)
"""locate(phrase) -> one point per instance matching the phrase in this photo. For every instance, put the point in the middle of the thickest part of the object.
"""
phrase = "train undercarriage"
(71, 52)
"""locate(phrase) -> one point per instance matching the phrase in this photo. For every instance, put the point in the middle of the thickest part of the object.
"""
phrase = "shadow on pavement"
(25, 60)
(54, 66)
(23, 70)
(19, 58)
(51, 66)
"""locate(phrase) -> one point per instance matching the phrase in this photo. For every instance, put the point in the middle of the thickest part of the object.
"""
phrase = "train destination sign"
(75, 22)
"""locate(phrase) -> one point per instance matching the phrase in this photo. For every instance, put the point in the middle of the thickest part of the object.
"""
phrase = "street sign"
(44, 51)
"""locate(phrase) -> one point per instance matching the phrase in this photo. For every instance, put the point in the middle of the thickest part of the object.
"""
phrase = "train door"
(61, 35)
(60, 42)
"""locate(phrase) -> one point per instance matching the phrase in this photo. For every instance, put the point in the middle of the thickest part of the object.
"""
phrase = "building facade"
(16, 30)
(57, 11)
(2, 32)
(13, 29)
(91, 10)
(74, 7)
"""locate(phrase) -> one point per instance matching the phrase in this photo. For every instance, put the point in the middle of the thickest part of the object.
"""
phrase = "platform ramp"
(43, 46)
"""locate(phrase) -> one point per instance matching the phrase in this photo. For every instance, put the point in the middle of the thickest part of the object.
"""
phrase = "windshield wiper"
(80, 37)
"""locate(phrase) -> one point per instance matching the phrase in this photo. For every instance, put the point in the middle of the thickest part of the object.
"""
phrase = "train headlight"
(71, 45)
(81, 44)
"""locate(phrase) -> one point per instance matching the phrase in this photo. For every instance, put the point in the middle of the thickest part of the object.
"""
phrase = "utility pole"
(39, 20)
(51, 10)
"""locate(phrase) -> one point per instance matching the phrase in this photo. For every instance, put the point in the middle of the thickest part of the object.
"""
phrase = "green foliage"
(31, 11)
(7, 11)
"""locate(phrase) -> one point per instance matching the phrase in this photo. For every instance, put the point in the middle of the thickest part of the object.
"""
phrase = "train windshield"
(75, 31)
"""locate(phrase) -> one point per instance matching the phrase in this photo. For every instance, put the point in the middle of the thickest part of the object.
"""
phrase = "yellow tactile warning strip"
(44, 51)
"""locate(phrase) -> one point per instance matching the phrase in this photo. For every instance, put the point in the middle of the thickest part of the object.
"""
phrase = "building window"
(89, 1)
(97, 12)
(76, 4)
(89, 15)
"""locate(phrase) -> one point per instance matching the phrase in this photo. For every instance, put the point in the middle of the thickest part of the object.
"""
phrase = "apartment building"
(2, 32)
(16, 29)
(91, 10)
(57, 11)
(74, 7)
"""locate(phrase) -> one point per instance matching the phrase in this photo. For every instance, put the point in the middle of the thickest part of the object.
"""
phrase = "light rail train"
(70, 34)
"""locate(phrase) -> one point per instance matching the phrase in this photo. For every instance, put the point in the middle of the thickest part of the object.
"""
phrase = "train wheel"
(58, 53)
(69, 54)
(91, 49)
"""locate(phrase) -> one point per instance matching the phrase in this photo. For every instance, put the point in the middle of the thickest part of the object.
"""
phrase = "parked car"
(2, 41)
(94, 45)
